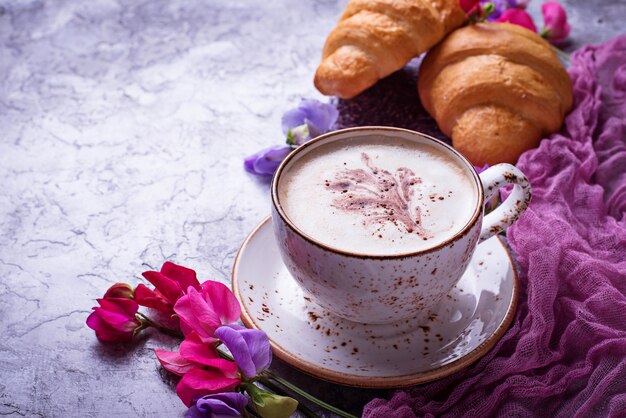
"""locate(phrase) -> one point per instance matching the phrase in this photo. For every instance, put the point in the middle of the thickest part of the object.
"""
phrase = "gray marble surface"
(123, 125)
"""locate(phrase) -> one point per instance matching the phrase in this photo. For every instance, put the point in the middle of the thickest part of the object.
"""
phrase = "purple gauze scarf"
(565, 353)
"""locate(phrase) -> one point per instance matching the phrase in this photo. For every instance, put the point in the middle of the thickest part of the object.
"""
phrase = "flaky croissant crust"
(496, 89)
(377, 37)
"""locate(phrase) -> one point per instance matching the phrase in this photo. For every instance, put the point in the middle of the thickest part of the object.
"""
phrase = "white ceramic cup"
(380, 289)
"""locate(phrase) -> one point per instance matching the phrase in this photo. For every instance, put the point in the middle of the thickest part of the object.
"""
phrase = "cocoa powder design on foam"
(382, 197)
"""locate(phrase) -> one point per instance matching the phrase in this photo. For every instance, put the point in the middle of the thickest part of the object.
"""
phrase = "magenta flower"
(115, 319)
(120, 290)
(555, 26)
(171, 283)
(203, 370)
(193, 354)
(201, 382)
(518, 17)
(310, 119)
(250, 348)
(207, 310)
(173, 362)
(194, 349)
(266, 161)
(220, 405)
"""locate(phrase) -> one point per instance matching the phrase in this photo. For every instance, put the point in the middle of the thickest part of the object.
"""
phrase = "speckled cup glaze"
(381, 289)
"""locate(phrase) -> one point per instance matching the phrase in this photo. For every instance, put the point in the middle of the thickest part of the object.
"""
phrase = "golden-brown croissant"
(374, 38)
(496, 89)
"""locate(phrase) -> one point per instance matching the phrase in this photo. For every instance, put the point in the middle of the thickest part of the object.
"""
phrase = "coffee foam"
(378, 195)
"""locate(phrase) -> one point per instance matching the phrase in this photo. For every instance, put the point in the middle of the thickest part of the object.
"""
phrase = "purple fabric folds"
(565, 353)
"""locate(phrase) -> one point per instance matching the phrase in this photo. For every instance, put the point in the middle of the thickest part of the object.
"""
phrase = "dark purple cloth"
(565, 353)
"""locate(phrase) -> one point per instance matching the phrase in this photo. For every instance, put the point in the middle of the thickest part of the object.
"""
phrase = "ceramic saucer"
(465, 325)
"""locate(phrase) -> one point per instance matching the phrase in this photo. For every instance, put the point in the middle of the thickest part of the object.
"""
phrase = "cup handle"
(503, 216)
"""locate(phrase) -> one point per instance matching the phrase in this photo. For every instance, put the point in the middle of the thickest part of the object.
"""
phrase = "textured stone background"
(122, 130)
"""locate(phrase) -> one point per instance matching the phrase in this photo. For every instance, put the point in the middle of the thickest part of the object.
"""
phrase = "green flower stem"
(488, 9)
(265, 380)
(306, 395)
(564, 55)
(306, 411)
(147, 322)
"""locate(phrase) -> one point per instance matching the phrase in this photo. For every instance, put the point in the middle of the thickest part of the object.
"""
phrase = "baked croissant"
(496, 89)
(374, 38)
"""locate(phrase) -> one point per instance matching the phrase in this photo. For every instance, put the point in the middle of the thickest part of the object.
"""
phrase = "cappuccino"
(376, 195)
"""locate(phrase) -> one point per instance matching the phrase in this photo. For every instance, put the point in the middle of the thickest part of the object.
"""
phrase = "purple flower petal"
(518, 4)
(238, 348)
(266, 161)
(292, 118)
(193, 412)
(248, 162)
(320, 117)
(310, 119)
(250, 348)
(221, 404)
(259, 348)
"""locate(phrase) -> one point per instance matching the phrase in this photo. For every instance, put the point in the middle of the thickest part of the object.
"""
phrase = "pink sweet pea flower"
(171, 283)
(173, 362)
(555, 26)
(194, 354)
(120, 290)
(115, 319)
(152, 299)
(194, 349)
(207, 310)
(518, 17)
(203, 370)
(201, 382)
